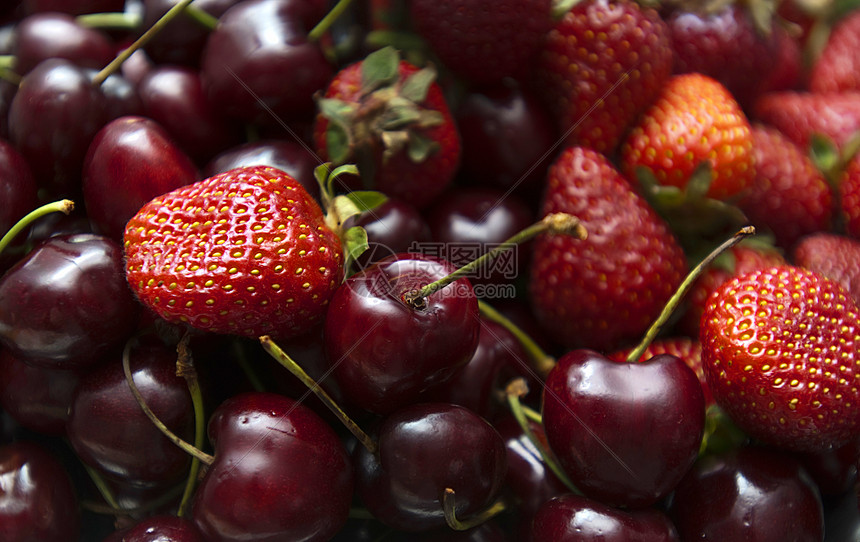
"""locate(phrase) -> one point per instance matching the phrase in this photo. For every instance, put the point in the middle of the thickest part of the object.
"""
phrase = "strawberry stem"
(115, 64)
(321, 27)
(193, 451)
(63, 206)
(541, 361)
(449, 505)
(679, 294)
(553, 224)
(281, 357)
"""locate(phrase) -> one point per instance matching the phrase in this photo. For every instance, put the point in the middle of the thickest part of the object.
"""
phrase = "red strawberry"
(245, 252)
(798, 115)
(602, 64)
(780, 351)
(849, 190)
(607, 289)
(789, 197)
(835, 256)
(483, 41)
(837, 67)
(695, 119)
(391, 119)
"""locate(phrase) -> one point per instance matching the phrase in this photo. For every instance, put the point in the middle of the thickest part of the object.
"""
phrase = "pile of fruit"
(465, 270)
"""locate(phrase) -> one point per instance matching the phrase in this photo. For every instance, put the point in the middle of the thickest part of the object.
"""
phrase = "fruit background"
(461, 270)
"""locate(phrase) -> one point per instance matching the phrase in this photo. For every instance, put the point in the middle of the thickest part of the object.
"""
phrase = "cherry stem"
(242, 360)
(115, 64)
(553, 224)
(185, 369)
(682, 290)
(63, 206)
(101, 485)
(449, 505)
(516, 389)
(193, 451)
(115, 21)
(541, 361)
(321, 27)
(153, 504)
(203, 18)
(281, 357)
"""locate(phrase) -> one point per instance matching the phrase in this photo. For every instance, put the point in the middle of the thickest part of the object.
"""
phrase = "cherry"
(423, 450)
(570, 518)
(158, 529)
(598, 414)
(130, 161)
(174, 97)
(748, 494)
(18, 189)
(182, 40)
(120, 96)
(280, 473)
(834, 471)
(383, 349)
(393, 227)
(37, 500)
(73, 7)
(38, 398)
(67, 303)
(58, 35)
(110, 432)
(243, 64)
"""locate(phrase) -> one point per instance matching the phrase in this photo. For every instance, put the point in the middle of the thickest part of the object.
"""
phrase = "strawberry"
(605, 290)
(837, 67)
(789, 197)
(849, 191)
(600, 66)
(392, 120)
(835, 256)
(483, 41)
(695, 119)
(245, 252)
(780, 352)
(799, 115)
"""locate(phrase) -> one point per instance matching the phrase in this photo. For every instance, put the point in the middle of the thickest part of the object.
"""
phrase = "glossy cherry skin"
(181, 41)
(158, 529)
(38, 398)
(73, 7)
(280, 473)
(834, 471)
(110, 432)
(18, 189)
(67, 303)
(748, 494)
(424, 449)
(131, 161)
(393, 227)
(174, 97)
(246, 58)
(58, 35)
(571, 518)
(383, 351)
(37, 500)
(625, 433)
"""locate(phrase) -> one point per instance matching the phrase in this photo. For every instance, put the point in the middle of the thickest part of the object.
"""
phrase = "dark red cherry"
(158, 529)
(489, 531)
(508, 138)
(424, 449)
(174, 97)
(182, 39)
(67, 303)
(120, 96)
(280, 473)
(37, 500)
(247, 57)
(131, 161)
(73, 7)
(393, 227)
(287, 156)
(38, 398)
(834, 471)
(110, 432)
(748, 494)
(625, 433)
(7, 92)
(384, 350)
(18, 188)
(571, 518)
(58, 35)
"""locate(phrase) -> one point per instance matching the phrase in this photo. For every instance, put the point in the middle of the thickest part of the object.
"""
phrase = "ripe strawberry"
(245, 252)
(483, 41)
(789, 197)
(849, 191)
(694, 119)
(600, 66)
(607, 289)
(835, 256)
(780, 351)
(391, 119)
(798, 115)
(837, 67)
